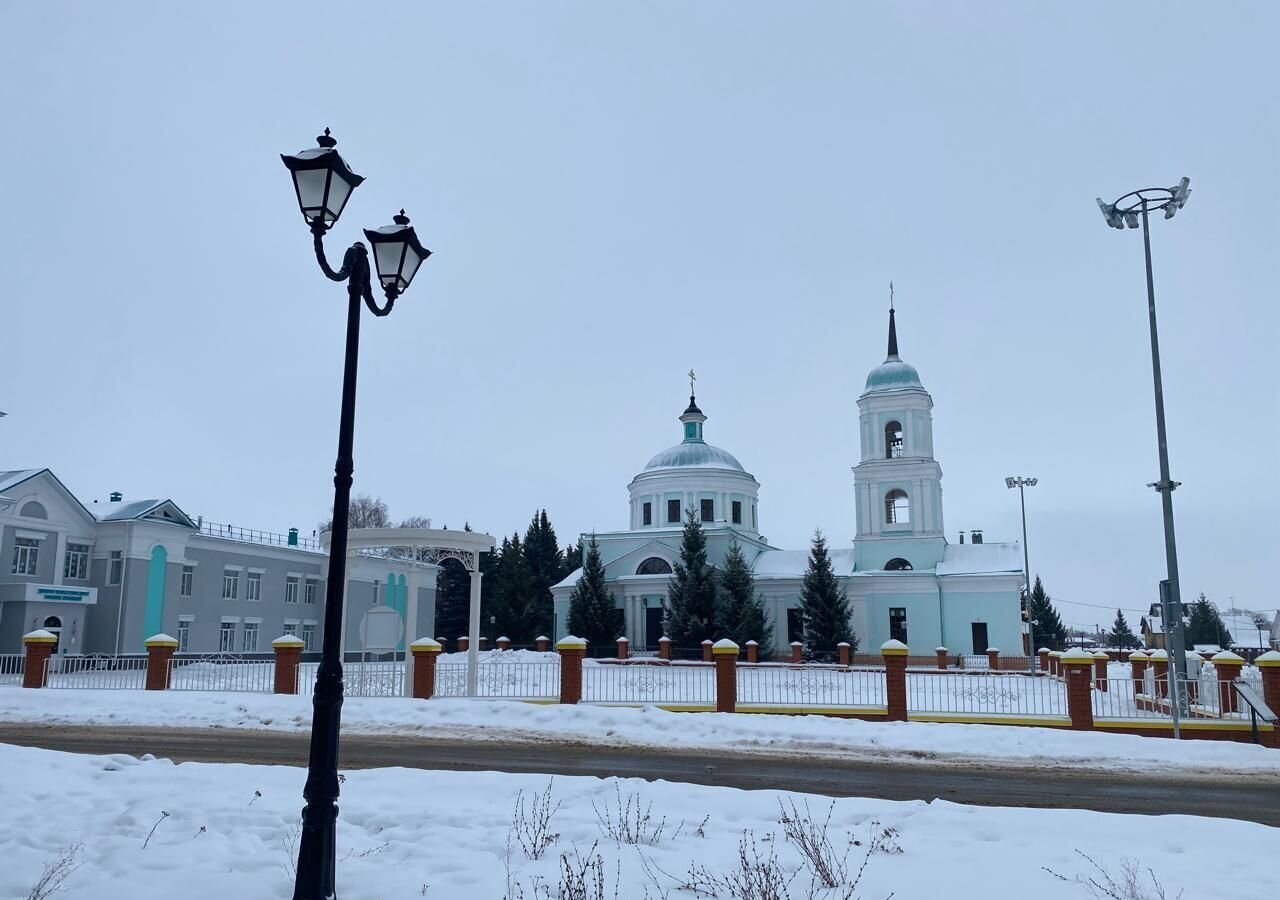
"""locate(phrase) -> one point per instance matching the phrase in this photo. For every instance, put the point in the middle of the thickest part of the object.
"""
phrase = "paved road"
(1254, 799)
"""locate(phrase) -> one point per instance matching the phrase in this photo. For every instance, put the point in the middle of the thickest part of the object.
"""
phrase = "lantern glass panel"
(388, 256)
(411, 262)
(310, 184)
(339, 193)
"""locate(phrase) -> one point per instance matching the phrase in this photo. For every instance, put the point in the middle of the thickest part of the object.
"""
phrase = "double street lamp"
(323, 182)
(1127, 211)
(1021, 484)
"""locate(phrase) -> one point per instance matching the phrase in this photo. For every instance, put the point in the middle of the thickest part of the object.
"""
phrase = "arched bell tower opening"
(894, 445)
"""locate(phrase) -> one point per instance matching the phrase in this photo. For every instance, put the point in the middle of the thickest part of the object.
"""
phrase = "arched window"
(654, 566)
(897, 564)
(53, 622)
(893, 445)
(33, 510)
(897, 509)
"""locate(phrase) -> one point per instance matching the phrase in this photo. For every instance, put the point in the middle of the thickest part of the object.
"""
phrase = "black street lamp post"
(324, 183)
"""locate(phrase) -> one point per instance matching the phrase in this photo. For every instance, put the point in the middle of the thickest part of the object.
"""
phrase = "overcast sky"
(616, 192)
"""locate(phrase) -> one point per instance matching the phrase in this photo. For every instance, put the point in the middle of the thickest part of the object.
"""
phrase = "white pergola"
(422, 546)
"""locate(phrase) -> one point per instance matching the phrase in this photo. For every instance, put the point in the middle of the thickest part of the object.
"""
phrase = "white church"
(903, 578)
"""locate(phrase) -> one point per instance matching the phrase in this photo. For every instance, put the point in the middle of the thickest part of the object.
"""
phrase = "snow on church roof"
(793, 563)
(694, 454)
(981, 559)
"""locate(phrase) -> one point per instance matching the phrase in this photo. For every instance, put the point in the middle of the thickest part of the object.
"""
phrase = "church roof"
(981, 559)
(893, 374)
(694, 454)
(794, 563)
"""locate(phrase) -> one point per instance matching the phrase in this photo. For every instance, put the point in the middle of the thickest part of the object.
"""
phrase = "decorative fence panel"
(986, 693)
(371, 678)
(221, 672)
(98, 672)
(12, 665)
(693, 684)
(501, 680)
(782, 685)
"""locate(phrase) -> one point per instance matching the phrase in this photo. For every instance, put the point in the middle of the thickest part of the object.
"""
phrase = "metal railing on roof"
(254, 536)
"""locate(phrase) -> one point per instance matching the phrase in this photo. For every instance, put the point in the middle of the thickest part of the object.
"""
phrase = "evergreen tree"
(690, 614)
(1121, 635)
(1050, 632)
(515, 607)
(545, 565)
(1205, 626)
(742, 615)
(592, 614)
(453, 599)
(823, 603)
(572, 558)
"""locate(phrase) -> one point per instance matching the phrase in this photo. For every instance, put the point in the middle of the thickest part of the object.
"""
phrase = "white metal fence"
(986, 693)
(501, 680)
(221, 672)
(782, 685)
(694, 684)
(97, 672)
(373, 678)
(12, 665)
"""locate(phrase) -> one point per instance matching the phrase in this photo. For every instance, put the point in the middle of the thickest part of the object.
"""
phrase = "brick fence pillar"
(753, 651)
(1269, 665)
(1100, 661)
(993, 659)
(664, 647)
(1043, 653)
(1077, 669)
(726, 657)
(444, 644)
(39, 646)
(1160, 671)
(1055, 663)
(160, 650)
(572, 650)
(484, 643)
(504, 643)
(942, 657)
(542, 643)
(1138, 669)
(1228, 666)
(464, 643)
(842, 653)
(624, 648)
(425, 653)
(895, 679)
(706, 651)
(288, 650)
(797, 652)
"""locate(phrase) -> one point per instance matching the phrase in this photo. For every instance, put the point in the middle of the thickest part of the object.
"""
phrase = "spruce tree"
(1121, 635)
(572, 558)
(545, 565)
(592, 614)
(690, 613)
(453, 599)
(742, 615)
(1050, 632)
(514, 605)
(823, 603)
(1205, 626)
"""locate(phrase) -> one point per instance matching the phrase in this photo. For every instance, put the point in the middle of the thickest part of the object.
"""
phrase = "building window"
(893, 444)
(253, 586)
(673, 511)
(898, 624)
(115, 567)
(308, 636)
(33, 509)
(897, 564)
(184, 635)
(737, 512)
(291, 629)
(227, 637)
(312, 590)
(753, 516)
(648, 514)
(654, 565)
(230, 584)
(897, 510)
(707, 510)
(249, 638)
(76, 564)
(26, 553)
(186, 586)
(291, 589)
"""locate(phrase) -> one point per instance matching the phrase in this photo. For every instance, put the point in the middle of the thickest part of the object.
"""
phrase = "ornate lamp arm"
(317, 230)
(389, 290)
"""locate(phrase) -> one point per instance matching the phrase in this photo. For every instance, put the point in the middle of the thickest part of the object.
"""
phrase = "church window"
(893, 443)
(897, 564)
(648, 514)
(897, 509)
(707, 510)
(673, 510)
(654, 566)
(898, 624)
(737, 512)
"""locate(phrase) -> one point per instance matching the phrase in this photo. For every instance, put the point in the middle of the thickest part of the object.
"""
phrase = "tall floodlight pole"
(1021, 484)
(323, 183)
(1127, 211)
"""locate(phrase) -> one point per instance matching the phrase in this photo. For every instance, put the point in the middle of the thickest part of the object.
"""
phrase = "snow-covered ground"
(150, 830)
(498, 720)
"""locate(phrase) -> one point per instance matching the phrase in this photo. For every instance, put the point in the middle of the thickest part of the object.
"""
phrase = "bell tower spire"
(893, 328)
(692, 418)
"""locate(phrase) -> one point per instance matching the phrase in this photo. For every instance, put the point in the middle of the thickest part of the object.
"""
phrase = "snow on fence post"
(425, 653)
(1138, 669)
(1055, 663)
(942, 657)
(1160, 671)
(39, 646)
(464, 643)
(288, 651)
(624, 648)
(895, 679)
(1228, 666)
(664, 647)
(753, 651)
(797, 652)
(1043, 653)
(444, 643)
(572, 650)
(484, 643)
(726, 656)
(542, 642)
(1100, 660)
(842, 653)
(504, 643)
(160, 650)
(1269, 665)
(1077, 668)
(993, 659)
(706, 651)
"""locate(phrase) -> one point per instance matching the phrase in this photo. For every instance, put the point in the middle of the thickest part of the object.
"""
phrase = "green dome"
(892, 375)
(694, 455)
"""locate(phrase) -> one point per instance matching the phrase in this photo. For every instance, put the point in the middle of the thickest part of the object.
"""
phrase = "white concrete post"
(473, 631)
(346, 608)
(410, 625)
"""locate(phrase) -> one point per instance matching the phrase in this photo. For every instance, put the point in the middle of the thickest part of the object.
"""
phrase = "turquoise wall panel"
(153, 617)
